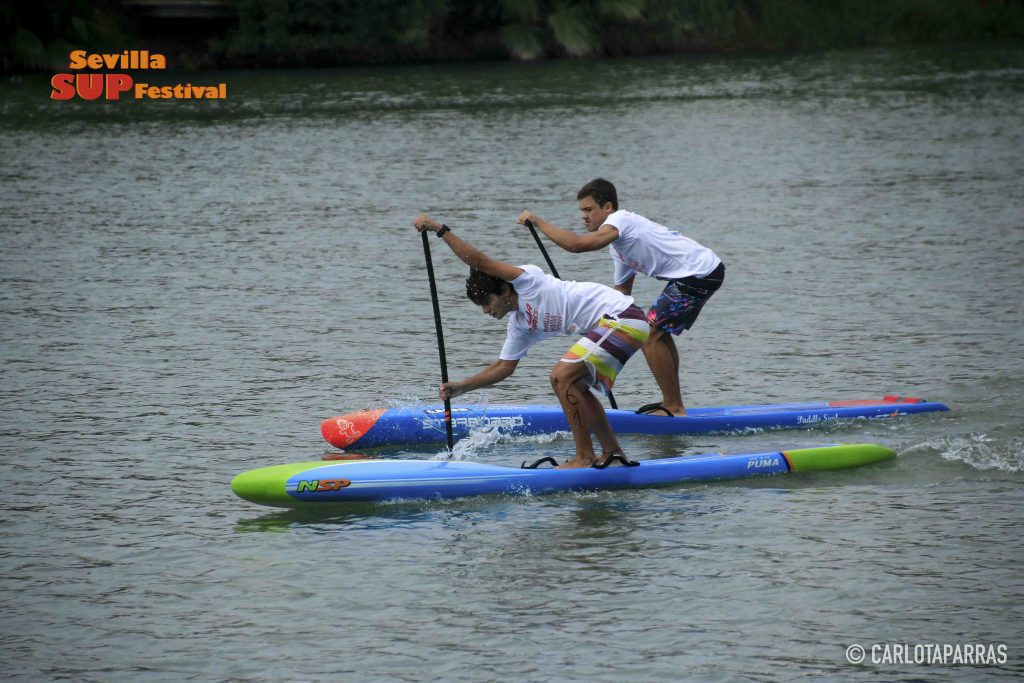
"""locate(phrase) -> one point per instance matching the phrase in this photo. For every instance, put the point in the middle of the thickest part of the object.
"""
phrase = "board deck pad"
(426, 424)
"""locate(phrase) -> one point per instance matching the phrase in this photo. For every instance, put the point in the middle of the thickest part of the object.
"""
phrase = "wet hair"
(601, 191)
(480, 286)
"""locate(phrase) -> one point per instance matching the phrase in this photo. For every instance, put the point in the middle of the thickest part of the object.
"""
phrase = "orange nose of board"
(345, 430)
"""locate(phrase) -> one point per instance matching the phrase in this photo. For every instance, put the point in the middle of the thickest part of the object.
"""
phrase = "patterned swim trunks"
(607, 347)
(679, 304)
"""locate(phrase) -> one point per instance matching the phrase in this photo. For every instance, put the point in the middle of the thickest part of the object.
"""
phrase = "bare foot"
(661, 410)
(577, 462)
(604, 459)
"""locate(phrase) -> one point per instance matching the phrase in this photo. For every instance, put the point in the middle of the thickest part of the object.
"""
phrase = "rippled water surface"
(187, 289)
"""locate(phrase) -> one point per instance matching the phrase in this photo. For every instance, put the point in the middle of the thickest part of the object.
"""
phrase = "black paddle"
(554, 271)
(440, 339)
(533, 231)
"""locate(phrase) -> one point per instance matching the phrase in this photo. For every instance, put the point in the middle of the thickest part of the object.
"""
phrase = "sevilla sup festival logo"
(93, 76)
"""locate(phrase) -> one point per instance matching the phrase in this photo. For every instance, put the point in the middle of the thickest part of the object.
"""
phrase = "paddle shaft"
(554, 271)
(533, 231)
(440, 338)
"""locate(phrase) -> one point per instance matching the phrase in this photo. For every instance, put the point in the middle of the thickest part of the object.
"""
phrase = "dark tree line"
(38, 36)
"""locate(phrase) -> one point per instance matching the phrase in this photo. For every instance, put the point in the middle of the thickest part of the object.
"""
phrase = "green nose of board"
(837, 457)
(266, 485)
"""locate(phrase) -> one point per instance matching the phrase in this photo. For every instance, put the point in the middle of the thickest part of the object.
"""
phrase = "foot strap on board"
(524, 466)
(651, 407)
(613, 457)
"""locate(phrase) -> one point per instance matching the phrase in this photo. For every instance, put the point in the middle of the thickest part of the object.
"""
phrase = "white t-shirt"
(653, 250)
(549, 307)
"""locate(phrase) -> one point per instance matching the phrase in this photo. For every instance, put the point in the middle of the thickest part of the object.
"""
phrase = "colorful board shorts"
(607, 347)
(679, 304)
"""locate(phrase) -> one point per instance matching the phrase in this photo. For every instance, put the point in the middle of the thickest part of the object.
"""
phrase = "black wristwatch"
(443, 230)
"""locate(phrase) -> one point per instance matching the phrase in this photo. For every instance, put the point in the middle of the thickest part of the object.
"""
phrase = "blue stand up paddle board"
(425, 424)
(318, 484)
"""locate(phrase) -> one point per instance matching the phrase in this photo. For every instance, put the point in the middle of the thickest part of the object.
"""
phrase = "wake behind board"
(425, 424)
(318, 484)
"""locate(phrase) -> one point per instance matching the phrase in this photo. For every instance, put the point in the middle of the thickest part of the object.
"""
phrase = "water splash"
(480, 440)
(409, 400)
(978, 450)
(477, 441)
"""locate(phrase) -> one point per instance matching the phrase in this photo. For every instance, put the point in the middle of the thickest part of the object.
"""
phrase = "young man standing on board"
(639, 245)
(540, 306)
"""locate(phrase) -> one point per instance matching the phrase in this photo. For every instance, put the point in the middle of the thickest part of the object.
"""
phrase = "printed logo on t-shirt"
(637, 266)
(531, 317)
(631, 263)
(552, 323)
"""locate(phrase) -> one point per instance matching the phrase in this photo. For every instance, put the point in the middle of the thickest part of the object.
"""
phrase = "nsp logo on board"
(321, 485)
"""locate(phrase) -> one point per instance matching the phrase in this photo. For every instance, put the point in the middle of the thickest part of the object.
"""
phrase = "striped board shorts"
(607, 347)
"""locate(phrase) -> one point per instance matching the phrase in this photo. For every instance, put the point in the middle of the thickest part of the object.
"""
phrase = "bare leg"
(573, 394)
(663, 358)
(603, 429)
(599, 423)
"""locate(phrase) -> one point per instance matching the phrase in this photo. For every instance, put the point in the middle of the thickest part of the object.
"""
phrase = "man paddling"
(639, 245)
(541, 306)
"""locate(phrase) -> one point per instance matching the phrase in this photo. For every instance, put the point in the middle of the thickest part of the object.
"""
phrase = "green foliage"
(39, 36)
(286, 29)
(698, 20)
(628, 10)
(27, 50)
(303, 32)
(575, 29)
(808, 24)
(527, 28)
(520, 10)
(524, 42)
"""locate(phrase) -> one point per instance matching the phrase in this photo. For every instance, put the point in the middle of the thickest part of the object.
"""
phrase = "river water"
(188, 288)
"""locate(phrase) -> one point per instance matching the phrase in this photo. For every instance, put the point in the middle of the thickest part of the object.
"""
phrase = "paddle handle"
(533, 231)
(440, 338)
(554, 271)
